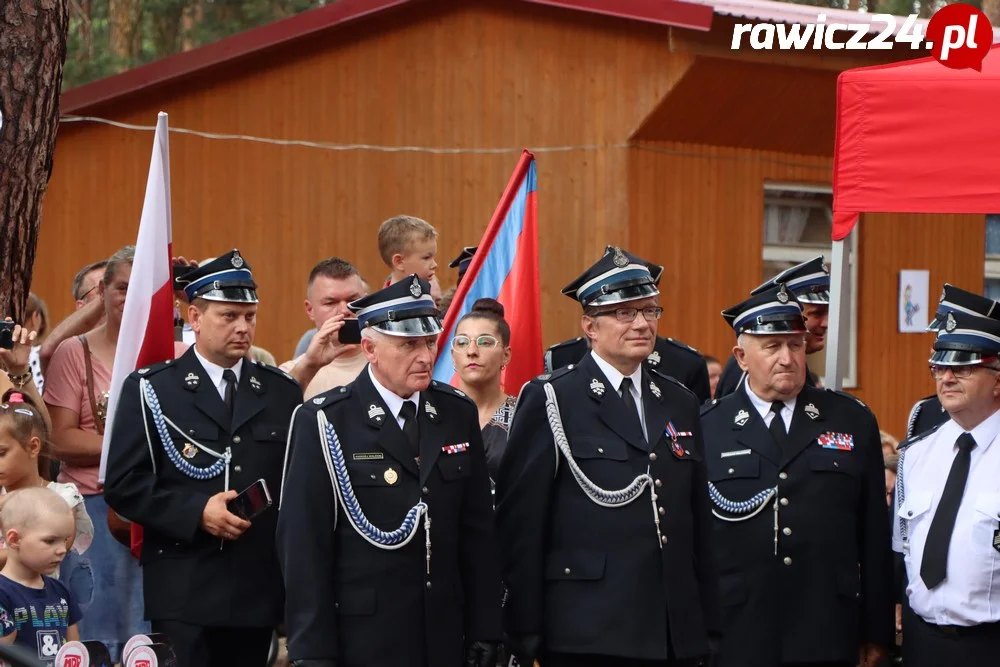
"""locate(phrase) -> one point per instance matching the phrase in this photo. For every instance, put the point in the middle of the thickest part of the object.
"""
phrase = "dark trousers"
(572, 660)
(927, 645)
(197, 646)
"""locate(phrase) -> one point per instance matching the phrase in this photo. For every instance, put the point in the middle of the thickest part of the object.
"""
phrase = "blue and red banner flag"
(505, 268)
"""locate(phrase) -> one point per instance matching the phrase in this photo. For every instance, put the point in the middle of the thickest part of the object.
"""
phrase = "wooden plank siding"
(457, 76)
(698, 210)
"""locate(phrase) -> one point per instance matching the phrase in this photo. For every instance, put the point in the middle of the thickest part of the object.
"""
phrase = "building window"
(798, 223)
(991, 285)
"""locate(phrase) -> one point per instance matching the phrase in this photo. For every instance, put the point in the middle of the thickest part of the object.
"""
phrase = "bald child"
(37, 612)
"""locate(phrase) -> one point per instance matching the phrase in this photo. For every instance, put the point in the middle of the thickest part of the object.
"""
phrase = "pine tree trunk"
(120, 18)
(32, 52)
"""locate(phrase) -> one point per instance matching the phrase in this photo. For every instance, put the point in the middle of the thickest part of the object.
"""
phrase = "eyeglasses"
(84, 295)
(484, 342)
(651, 314)
(960, 372)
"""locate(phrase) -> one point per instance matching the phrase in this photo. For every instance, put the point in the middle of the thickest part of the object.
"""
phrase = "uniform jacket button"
(663, 539)
(600, 450)
(787, 561)
(782, 475)
(784, 502)
(236, 439)
(425, 490)
(428, 584)
(661, 511)
(652, 456)
(237, 468)
(658, 483)
(787, 531)
(732, 471)
(567, 571)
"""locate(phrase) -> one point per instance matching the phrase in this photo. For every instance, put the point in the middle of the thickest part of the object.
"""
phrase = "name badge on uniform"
(455, 449)
(842, 441)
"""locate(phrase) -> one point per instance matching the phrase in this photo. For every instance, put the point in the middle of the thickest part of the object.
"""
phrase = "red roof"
(664, 12)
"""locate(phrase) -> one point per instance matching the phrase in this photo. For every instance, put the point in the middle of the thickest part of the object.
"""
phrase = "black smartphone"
(7, 335)
(350, 333)
(252, 501)
(180, 270)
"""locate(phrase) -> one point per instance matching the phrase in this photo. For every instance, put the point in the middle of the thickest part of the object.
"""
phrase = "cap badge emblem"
(415, 288)
(951, 324)
(782, 295)
(237, 261)
(620, 259)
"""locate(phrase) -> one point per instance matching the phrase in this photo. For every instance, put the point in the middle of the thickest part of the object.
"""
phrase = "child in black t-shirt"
(37, 612)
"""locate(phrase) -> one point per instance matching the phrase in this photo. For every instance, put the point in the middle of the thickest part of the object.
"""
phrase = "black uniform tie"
(934, 564)
(777, 427)
(408, 413)
(626, 391)
(229, 377)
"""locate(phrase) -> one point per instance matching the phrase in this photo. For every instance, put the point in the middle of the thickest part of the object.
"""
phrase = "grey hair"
(371, 333)
(124, 256)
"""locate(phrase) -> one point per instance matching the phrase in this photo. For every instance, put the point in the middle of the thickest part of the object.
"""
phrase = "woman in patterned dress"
(481, 351)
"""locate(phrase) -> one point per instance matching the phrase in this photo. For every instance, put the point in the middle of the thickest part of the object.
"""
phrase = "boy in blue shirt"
(37, 612)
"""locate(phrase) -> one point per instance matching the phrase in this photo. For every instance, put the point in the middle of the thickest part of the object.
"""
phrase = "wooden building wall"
(457, 76)
(698, 210)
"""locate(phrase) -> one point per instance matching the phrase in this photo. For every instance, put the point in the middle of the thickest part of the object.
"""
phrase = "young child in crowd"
(37, 612)
(23, 435)
(408, 245)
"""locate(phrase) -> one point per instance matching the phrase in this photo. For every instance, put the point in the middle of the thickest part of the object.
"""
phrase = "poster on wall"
(913, 300)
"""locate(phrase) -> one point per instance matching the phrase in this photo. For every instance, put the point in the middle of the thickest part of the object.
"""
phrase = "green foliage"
(110, 36)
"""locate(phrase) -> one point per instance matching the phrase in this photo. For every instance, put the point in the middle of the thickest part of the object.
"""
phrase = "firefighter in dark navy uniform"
(188, 435)
(798, 502)
(928, 411)
(670, 357)
(385, 532)
(810, 283)
(602, 514)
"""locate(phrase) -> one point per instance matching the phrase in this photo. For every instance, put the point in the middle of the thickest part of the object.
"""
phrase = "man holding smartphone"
(188, 436)
(333, 357)
(369, 580)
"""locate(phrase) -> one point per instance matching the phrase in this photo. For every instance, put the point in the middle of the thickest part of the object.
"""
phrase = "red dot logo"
(960, 36)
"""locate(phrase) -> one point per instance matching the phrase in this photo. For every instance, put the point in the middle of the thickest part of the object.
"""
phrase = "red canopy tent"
(912, 137)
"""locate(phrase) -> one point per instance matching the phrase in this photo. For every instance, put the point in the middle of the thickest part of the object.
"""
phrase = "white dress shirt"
(215, 373)
(764, 408)
(391, 400)
(615, 378)
(970, 593)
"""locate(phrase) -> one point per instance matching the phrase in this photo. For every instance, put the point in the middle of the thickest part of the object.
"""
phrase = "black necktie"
(230, 379)
(629, 400)
(777, 427)
(934, 564)
(408, 413)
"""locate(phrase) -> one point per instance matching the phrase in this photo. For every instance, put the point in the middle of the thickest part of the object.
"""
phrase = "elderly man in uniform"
(602, 513)
(948, 518)
(668, 356)
(810, 283)
(188, 436)
(386, 527)
(928, 411)
(798, 494)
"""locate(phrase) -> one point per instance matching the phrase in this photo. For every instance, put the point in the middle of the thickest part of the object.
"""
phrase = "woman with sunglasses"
(480, 351)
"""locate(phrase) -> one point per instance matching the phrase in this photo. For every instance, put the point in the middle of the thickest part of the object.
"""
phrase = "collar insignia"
(375, 413)
(742, 417)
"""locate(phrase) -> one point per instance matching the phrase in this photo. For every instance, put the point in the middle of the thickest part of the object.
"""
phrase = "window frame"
(793, 253)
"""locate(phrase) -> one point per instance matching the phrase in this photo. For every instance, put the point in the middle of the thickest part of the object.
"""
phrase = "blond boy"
(408, 245)
(37, 612)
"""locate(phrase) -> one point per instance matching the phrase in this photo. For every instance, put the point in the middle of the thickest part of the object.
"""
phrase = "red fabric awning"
(916, 137)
